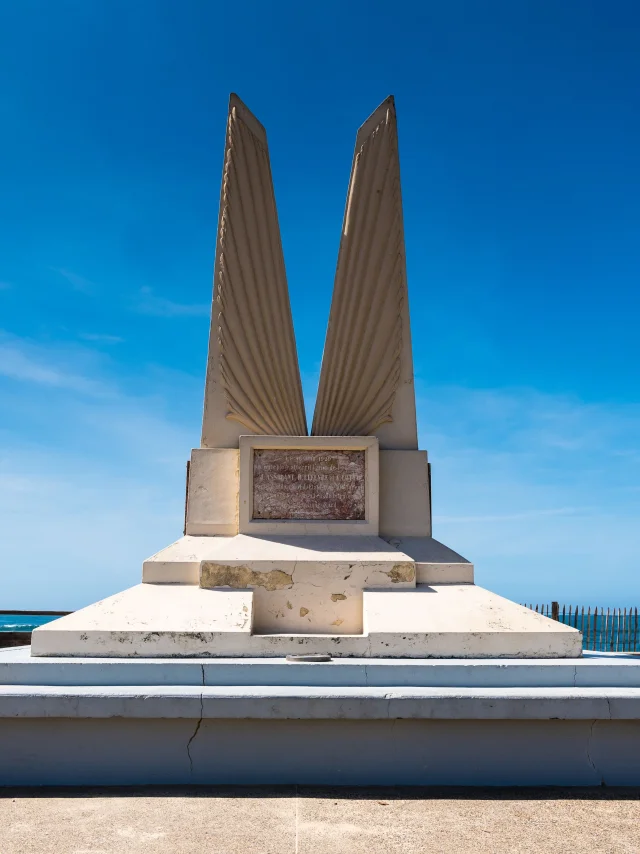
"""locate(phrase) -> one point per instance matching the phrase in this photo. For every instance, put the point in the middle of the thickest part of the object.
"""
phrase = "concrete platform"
(437, 621)
(427, 723)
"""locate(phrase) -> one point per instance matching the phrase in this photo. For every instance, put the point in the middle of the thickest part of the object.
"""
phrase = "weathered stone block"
(212, 493)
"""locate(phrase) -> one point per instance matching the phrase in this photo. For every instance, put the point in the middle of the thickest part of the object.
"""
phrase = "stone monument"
(298, 543)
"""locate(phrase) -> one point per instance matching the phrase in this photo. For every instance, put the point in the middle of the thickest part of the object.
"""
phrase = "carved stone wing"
(366, 381)
(253, 379)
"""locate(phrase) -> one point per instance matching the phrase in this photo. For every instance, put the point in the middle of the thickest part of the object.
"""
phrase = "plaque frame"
(370, 524)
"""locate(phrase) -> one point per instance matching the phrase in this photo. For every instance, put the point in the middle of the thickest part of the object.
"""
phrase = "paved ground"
(319, 821)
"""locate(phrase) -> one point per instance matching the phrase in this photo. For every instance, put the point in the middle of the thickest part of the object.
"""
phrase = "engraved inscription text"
(314, 485)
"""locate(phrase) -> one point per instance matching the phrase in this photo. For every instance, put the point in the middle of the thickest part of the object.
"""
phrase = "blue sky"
(519, 138)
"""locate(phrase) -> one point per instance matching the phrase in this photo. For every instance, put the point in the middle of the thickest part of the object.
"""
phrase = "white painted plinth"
(437, 621)
(179, 563)
(351, 722)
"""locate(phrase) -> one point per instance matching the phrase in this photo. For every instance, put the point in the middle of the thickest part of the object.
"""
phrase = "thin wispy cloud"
(94, 482)
(28, 362)
(78, 282)
(4, 286)
(153, 305)
(88, 523)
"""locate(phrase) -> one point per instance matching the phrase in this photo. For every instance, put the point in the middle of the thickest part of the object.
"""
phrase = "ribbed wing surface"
(361, 364)
(253, 331)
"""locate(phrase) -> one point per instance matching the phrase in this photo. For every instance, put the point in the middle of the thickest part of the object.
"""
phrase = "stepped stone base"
(429, 621)
(271, 596)
(303, 584)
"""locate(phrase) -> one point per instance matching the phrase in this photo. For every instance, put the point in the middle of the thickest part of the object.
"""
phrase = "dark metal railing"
(610, 630)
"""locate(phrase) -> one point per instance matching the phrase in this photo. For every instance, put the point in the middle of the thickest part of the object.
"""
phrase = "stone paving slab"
(306, 820)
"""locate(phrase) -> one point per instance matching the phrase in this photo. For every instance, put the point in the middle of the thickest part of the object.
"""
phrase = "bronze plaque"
(313, 485)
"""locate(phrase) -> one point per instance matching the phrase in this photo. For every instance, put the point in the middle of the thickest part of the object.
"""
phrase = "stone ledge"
(435, 562)
(180, 562)
(594, 670)
(437, 621)
(308, 703)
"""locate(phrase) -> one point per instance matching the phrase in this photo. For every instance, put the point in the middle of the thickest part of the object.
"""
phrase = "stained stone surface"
(313, 485)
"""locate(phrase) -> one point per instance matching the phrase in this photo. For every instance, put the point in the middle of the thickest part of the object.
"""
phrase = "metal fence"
(610, 630)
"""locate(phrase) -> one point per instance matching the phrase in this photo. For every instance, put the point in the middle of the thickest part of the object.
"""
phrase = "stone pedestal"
(310, 574)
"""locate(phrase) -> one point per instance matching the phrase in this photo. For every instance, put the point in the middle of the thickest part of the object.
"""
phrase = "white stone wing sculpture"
(366, 381)
(253, 380)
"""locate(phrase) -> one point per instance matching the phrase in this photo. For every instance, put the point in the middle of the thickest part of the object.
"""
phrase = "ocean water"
(22, 622)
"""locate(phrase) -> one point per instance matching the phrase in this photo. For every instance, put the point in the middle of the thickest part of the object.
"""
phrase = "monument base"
(429, 621)
(349, 596)
(347, 722)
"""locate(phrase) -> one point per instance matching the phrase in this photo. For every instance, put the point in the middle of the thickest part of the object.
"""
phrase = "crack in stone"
(198, 723)
(589, 759)
(394, 724)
